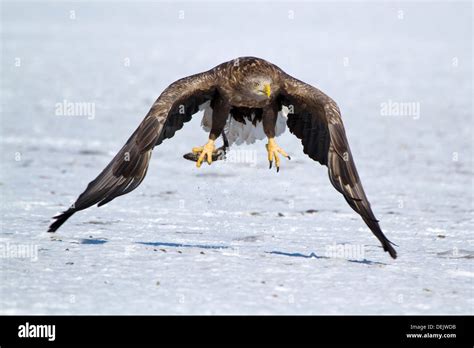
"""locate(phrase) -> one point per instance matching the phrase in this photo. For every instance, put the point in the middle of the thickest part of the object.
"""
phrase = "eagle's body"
(243, 100)
(244, 125)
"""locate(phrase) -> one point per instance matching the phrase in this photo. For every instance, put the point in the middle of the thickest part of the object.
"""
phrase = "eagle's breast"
(244, 124)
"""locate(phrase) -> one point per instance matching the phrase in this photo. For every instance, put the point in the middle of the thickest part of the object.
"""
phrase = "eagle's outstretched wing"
(128, 168)
(315, 119)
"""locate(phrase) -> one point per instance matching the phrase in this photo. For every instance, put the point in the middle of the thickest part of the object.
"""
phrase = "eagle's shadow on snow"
(313, 255)
(183, 245)
(92, 241)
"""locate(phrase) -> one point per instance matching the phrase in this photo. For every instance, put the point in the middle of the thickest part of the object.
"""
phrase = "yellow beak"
(267, 90)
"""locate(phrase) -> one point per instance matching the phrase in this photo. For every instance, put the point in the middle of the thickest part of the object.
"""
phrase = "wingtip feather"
(60, 219)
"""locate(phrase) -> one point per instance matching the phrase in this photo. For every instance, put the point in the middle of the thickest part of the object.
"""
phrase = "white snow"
(235, 237)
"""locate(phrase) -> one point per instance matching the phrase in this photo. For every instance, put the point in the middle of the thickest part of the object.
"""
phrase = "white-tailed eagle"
(244, 99)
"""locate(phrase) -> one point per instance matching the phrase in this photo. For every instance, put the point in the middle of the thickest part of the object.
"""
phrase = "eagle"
(244, 99)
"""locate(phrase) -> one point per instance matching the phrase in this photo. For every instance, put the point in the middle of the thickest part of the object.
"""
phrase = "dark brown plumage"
(234, 89)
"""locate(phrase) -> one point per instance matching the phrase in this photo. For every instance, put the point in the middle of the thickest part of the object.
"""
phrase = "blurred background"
(237, 238)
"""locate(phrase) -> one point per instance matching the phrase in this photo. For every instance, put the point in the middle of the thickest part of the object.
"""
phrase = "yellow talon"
(205, 151)
(197, 149)
(273, 150)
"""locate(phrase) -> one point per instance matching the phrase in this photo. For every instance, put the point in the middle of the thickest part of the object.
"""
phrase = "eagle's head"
(258, 87)
(254, 79)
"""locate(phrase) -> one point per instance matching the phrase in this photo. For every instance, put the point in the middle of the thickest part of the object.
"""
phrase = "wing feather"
(128, 168)
(315, 119)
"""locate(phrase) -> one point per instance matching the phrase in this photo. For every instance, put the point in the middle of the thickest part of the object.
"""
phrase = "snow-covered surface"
(236, 237)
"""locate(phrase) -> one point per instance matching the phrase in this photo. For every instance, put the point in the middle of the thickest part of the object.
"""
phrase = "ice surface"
(236, 237)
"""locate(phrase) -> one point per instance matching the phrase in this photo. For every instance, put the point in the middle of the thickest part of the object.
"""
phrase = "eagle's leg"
(220, 112)
(269, 119)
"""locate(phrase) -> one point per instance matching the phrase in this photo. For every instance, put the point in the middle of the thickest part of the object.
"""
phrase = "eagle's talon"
(197, 149)
(206, 152)
(273, 150)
